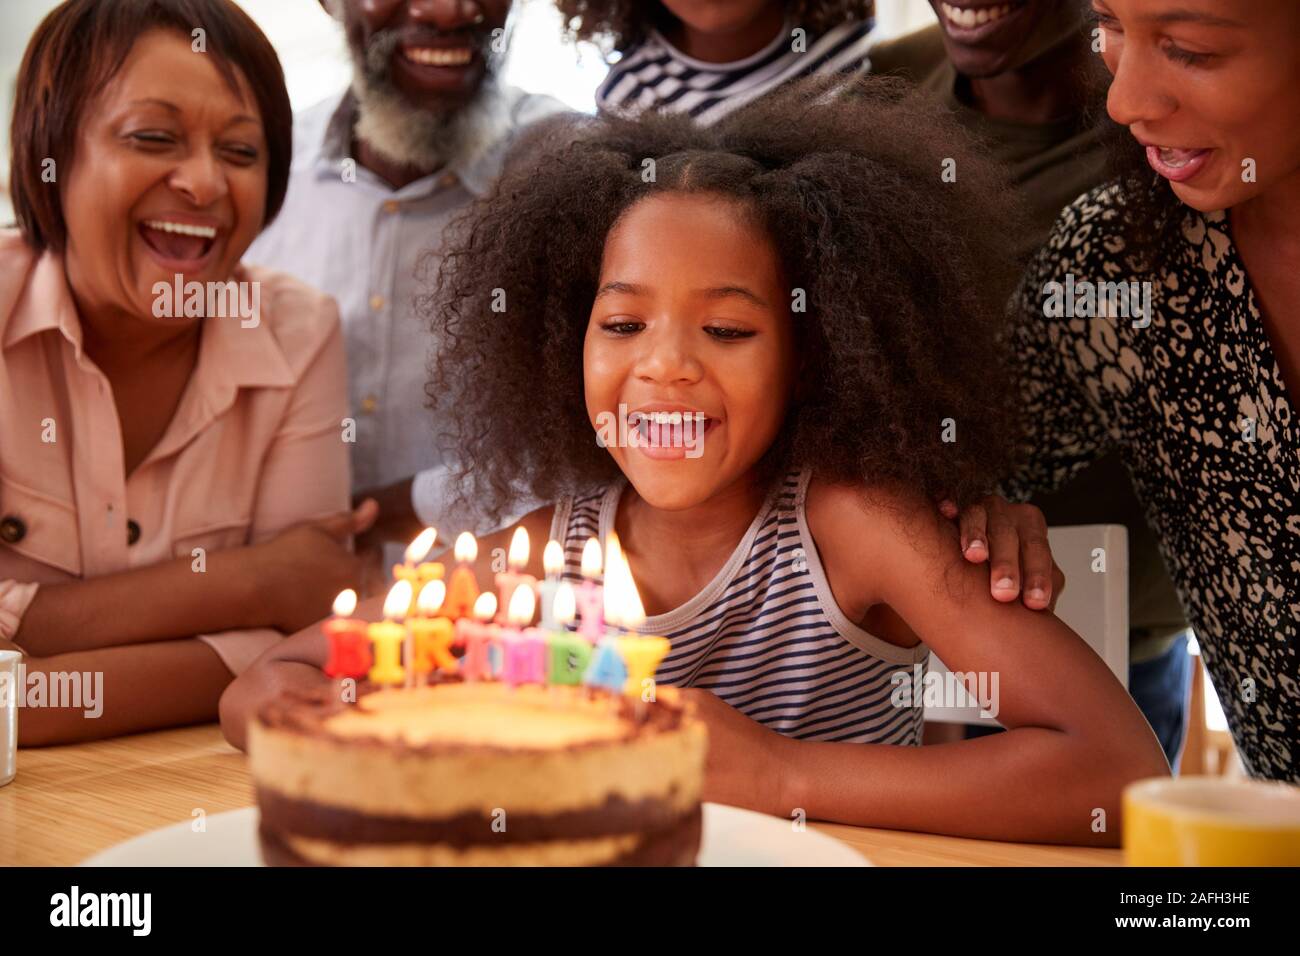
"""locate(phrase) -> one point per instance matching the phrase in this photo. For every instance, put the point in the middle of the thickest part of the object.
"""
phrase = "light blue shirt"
(347, 232)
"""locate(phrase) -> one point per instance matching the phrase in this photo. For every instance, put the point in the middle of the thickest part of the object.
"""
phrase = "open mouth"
(657, 430)
(973, 21)
(178, 242)
(1175, 164)
(453, 56)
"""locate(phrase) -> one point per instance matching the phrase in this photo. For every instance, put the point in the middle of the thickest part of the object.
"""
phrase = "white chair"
(1094, 605)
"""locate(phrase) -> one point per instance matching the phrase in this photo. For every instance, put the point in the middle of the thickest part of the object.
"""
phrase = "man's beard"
(417, 137)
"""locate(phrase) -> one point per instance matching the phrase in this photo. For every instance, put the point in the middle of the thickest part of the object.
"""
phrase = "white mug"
(9, 691)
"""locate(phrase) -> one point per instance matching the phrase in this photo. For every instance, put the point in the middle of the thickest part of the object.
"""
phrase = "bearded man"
(377, 175)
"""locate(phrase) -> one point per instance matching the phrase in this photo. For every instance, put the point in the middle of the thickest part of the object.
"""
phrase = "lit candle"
(349, 647)
(477, 634)
(570, 653)
(641, 652)
(387, 636)
(553, 563)
(462, 591)
(590, 597)
(523, 647)
(509, 580)
(416, 570)
(432, 634)
(608, 669)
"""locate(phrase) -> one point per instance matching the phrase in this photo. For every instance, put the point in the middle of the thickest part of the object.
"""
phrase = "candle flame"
(431, 597)
(613, 590)
(522, 604)
(398, 602)
(466, 548)
(419, 549)
(623, 607)
(485, 607)
(633, 609)
(517, 558)
(613, 550)
(553, 558)
(591, 562)
(565, 607)
(345, 603)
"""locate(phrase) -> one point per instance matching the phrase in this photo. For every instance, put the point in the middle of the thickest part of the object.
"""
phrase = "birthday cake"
(478, 773)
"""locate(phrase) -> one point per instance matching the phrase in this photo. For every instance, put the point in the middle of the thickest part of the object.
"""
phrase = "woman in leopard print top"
(1196, 404)
(1189, 384)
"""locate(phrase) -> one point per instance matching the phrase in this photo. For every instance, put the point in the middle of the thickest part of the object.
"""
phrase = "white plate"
(732, 837)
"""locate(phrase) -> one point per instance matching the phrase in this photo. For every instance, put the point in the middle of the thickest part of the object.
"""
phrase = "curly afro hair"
(625, 23)
(904, 319)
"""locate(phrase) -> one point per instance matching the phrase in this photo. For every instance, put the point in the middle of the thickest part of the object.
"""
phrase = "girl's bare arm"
(1074, 736)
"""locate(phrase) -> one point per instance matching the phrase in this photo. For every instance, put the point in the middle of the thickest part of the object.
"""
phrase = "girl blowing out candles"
(797, 276)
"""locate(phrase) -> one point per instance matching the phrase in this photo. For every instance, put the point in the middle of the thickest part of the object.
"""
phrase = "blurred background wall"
(316, 66)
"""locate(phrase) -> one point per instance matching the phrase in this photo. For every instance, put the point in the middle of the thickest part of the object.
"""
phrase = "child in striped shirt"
(709, 59)
(757, 350)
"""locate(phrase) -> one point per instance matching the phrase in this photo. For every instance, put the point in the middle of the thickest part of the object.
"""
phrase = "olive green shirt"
(1051, 165)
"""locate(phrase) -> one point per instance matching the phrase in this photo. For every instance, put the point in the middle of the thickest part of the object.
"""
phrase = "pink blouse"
(256, 444)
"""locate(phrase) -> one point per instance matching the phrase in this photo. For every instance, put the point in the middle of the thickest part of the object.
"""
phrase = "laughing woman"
(173, 488)
(1198, 392)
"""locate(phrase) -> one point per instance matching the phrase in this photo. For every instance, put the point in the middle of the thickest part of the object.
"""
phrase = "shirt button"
(391, 206)
(369, 404)
(132, 532)
(12, 529)
(376, 302)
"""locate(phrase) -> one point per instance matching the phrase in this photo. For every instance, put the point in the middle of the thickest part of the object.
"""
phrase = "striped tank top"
(656, 75)
(766, 636)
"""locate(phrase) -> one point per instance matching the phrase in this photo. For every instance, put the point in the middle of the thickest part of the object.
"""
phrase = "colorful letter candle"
(523, 647)
(416, 570)
(349, 647)
(462, 591)
(387, 636)
(641, 653)
(477, 634)
(607, 670)
(570, 653)
(553, 562)
(514, 576)
(432, 634)
(590, 597)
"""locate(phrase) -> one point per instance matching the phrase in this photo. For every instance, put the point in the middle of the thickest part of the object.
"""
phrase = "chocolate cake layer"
(676, 846)
(615, 816)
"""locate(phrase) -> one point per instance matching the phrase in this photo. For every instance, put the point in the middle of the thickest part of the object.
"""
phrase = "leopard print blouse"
(1190, 393)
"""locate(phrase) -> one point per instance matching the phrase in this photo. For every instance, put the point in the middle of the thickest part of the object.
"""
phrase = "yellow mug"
(1205, 821)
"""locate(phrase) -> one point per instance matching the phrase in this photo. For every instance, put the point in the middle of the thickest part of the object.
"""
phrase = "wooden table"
(68, 803)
